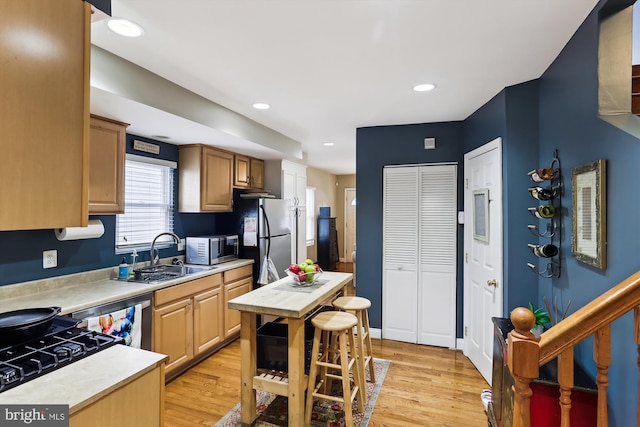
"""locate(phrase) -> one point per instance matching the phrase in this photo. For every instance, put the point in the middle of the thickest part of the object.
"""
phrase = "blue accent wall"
(512, 115)
(569, 122)
(558, 111)
(21, 251)
(377, 147)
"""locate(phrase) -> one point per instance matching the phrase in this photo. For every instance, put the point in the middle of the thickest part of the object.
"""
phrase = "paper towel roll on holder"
(94, 230)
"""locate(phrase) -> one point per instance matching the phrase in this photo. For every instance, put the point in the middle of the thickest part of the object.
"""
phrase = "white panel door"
(294, 188)
(483, 270)
(437, 255)
(400, 249)
(419, 254)
(349, 223)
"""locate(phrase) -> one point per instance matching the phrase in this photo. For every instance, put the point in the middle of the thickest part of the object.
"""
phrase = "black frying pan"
(29, 323)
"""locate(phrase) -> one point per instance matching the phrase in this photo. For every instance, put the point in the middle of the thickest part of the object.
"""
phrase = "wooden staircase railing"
(526, 353)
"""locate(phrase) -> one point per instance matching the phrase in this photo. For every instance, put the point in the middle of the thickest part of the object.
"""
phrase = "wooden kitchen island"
(285, 300)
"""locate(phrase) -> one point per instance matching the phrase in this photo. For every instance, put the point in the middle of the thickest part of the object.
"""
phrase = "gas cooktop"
(61, 345)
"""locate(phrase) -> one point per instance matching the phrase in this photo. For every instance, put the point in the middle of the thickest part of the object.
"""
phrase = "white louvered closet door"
(400, 246)
(419, 256)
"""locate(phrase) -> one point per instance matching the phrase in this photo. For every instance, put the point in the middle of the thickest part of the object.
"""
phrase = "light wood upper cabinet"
(248, 172)
(106, 172)
(257, 173)
(44, 114)
(242, 174)
(206, 178)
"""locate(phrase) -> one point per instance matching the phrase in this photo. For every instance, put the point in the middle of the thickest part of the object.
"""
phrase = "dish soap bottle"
(123, 270)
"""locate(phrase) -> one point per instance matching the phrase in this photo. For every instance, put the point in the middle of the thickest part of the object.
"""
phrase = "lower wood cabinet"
(187, 320)
(236, 282)
(191, 320)
(139, 403)
(173, 332)
(207, 320)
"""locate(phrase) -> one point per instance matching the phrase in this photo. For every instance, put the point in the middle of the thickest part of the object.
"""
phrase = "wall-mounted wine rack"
(547, 191)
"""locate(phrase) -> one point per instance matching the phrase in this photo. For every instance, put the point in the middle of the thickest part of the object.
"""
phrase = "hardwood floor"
(425, 386)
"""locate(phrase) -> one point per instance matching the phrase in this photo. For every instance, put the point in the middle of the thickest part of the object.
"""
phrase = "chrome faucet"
(154, 257)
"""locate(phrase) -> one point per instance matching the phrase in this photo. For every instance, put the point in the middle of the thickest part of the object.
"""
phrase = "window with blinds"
(311, 216)
(148, 203)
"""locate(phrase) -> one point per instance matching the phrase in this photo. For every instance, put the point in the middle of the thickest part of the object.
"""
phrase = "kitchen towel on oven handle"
(125, 323)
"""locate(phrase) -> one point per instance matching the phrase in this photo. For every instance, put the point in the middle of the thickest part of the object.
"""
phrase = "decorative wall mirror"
(589, 240)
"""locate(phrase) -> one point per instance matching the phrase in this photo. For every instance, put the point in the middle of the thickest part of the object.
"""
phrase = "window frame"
(310, 216)
(169, 192)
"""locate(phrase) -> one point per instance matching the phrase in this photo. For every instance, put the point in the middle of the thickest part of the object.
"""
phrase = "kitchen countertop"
(81, 383)
(85, 381)
(283, 298)
(79, 291)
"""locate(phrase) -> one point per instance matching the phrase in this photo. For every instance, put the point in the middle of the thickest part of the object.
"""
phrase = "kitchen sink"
(192, 269)
(163, 272)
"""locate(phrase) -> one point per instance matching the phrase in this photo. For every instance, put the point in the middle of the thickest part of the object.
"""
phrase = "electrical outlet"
(50, 259)
(182, 244)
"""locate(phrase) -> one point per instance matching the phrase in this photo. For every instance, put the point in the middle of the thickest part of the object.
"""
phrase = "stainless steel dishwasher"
(143, 300)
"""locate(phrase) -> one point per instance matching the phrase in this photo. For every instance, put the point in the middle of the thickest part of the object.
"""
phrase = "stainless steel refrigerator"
(263, 226)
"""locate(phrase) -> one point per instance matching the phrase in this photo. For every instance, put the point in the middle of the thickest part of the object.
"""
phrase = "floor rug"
(272, 409)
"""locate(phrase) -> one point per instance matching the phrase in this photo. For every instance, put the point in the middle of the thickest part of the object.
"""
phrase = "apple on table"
(294, 268)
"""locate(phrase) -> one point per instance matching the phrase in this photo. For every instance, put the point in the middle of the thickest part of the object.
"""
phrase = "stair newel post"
(523, 360)
(602, 357)
(636, 333)
(565, 379)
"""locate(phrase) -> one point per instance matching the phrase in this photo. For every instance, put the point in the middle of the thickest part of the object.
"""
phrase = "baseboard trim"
(377, 333)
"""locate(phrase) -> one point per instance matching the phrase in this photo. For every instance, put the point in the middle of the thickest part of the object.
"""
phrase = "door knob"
(492, 282)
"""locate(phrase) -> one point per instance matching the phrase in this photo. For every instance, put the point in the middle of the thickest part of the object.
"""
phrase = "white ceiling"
(328, 67)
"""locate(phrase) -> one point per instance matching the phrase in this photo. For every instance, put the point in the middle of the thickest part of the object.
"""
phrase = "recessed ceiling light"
(124, 27)
(328, 144)
(261, 106)
(425, 87)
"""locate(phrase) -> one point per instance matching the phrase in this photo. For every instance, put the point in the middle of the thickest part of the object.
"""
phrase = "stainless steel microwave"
(209, 250)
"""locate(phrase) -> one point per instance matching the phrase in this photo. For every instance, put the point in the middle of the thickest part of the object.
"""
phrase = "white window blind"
(311, 215)
(148, 203)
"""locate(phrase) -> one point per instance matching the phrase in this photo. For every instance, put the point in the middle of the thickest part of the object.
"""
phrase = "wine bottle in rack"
(542, 174)
(544, 251)
(544, 212)
(543, 194)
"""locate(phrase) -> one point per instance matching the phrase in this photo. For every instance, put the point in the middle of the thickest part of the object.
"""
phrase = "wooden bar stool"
(359, 307)
(340, 325)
